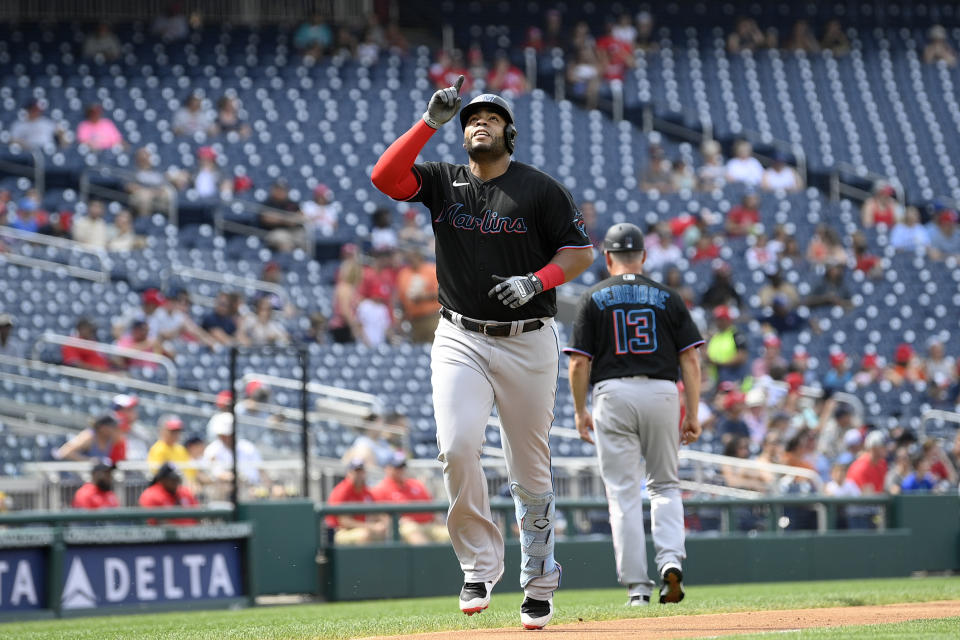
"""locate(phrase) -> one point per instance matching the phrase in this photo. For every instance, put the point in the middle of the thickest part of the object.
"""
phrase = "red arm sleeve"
(393, 174)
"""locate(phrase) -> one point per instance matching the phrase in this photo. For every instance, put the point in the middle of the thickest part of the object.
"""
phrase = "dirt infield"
(717, 624)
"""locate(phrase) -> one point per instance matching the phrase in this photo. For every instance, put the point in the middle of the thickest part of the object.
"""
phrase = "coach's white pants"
(637, 428)
(471, 372)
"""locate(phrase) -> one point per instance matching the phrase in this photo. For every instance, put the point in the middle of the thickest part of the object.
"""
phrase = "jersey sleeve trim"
(572, 350)
(691, 346)
(575, 246)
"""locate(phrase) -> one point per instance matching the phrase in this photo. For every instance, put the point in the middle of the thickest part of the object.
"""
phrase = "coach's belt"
(495, 329)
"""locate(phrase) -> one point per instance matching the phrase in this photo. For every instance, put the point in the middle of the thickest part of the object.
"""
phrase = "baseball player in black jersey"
(630, 338)
(506, 236)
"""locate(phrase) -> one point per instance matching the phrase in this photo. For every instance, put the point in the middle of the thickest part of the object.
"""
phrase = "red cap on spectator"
(869, 361)
(242, 183)
(887, 190)
(321, 190)
(903, 353)
(722, 311)
(836, 359)
(223, 399)
(154, 297)
(174, 424)
(732, 399)
(206, 153)
(271, 266)
(947, 215)
(410, 214)
(252, 387)
(794, 381)
(771, 340)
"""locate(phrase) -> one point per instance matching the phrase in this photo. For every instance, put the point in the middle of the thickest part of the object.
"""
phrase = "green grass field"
(359, 619)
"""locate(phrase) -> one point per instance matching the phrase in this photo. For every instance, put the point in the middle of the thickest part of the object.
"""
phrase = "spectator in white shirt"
(743, 167)
(36, 131)
(909, 234)
(321, 212)
(219, 454)
(780, 176)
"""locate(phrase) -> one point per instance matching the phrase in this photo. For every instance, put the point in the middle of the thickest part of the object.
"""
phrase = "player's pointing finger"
(459, 83)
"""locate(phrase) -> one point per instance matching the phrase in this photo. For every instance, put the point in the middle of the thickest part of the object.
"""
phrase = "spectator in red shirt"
(167, 490)
(81, 357)
(448, 67)
(506, 77)
(356, 529)
(98, 493)
(869, 470)
(743, 217)
(396, 486)
(102, 440)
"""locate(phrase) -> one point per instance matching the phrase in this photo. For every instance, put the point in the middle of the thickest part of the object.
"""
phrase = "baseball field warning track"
(717, 624)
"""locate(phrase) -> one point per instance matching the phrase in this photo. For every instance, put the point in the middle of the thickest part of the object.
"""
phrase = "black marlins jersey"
(630, 325)
(511, 225)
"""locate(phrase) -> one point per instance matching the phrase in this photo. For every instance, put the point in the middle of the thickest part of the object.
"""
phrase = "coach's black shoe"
(535, 614)
(672, 588)
(638, 601)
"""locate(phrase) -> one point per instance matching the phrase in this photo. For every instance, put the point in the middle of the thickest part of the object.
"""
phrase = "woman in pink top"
(97, 132)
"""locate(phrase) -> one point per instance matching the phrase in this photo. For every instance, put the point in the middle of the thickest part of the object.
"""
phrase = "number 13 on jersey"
(635, 331)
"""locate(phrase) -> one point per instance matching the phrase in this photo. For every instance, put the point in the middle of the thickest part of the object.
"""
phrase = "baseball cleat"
(475, 596)
(638, 601)
(535, 614)
(672, 589)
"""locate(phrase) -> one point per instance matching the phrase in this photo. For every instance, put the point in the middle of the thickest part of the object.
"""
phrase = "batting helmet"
(498, 104)
(623, 237)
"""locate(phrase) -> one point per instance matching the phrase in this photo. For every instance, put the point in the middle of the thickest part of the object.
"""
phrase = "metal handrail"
(38, 169)
(92, 345)
(60, 243)
(937, 414)
(221, 224)
(184, 271)
(838, 187)
(87, 187)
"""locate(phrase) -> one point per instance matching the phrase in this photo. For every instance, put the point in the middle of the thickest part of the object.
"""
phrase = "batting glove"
(444, 104)
(516, 291)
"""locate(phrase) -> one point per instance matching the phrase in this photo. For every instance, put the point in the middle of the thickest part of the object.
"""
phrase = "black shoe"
(475, 597)
(672, 589)
(535, 614)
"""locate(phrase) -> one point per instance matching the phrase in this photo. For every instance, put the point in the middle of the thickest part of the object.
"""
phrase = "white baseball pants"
(471, 372)
(637, 433)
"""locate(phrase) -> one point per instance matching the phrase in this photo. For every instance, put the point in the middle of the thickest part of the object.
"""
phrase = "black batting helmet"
(498, 104)
(623, 237)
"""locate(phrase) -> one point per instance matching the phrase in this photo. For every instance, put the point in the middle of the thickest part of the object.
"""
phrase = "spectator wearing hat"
(755, 416)
(35, 130)
(126, 411)
(780, 176)
(731, 423)
(881, 208)
(321, 213)
(418, 288)
(871, 370)
(909, 234)
(360, 528)
(944, 237)
(98, 132)
(10, 344)
(82, 357)
(938, 49)
(101, 441)
(727, 348)
(840, 373)
(29, 217)
(167, 490)
(223, 321)
(167, 448)
(193, 117)
(906, 367)
(219, 454)
(398, 487)
(869, 470)
(98, 493)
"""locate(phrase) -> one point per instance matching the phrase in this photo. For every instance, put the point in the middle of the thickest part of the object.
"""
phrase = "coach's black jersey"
(511, 225)
(630, 325)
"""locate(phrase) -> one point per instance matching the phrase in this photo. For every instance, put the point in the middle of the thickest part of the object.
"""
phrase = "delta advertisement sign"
(120, 575)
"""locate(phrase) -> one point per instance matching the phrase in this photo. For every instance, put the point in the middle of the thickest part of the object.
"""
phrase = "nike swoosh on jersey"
(460, 184)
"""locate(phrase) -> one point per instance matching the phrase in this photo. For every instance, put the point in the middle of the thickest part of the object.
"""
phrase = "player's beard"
(486, 150)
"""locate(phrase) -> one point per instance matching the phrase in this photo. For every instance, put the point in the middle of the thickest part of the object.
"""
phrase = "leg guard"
(535, 517)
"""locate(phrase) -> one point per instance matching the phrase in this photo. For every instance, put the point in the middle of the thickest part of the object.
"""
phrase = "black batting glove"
(516, 291)
(444, 104)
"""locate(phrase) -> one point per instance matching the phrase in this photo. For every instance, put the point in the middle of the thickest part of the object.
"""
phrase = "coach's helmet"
(498, 104)
(623, 237)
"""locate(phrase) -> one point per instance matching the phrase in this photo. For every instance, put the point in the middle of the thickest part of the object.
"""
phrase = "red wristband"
(551, 276)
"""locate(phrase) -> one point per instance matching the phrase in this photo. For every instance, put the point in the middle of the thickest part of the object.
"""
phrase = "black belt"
(495, 329)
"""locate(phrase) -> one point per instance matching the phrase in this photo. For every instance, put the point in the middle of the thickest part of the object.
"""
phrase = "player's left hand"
(516, 291)
(584, 423)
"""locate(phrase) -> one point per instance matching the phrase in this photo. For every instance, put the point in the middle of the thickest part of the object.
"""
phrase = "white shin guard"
(535, 517)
